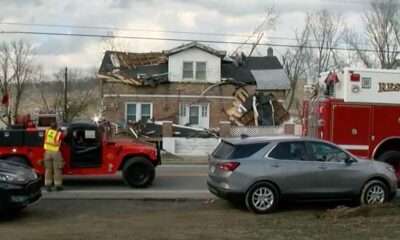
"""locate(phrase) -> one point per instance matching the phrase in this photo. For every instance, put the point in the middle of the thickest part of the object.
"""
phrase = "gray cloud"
(20, 3)
(127, 3)
(61, 46)
(222, 16)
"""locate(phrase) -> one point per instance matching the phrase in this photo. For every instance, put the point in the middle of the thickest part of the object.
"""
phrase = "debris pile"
(256, 110)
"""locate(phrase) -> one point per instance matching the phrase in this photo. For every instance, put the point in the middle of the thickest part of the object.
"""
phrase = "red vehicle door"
(351, 127)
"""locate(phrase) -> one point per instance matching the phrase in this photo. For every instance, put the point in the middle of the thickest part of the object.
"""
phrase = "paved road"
(172, 181)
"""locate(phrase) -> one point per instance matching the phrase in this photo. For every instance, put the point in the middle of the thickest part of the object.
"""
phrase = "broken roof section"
(128, 60)
(271, 79)
(198, 45)
(243, 73)
(134, 68)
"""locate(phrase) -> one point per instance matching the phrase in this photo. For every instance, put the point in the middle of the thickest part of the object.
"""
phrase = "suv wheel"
(374, 192)
(138, 172)
(262, 198)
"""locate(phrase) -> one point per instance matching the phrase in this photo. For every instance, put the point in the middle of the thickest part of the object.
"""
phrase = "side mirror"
(349, 160)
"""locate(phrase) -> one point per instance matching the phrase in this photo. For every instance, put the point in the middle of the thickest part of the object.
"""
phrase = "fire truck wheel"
(17, 159)
(138, 172)
(392, 158)
(374, 192)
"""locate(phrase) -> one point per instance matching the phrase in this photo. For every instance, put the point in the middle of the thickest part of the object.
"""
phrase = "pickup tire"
(138, 172)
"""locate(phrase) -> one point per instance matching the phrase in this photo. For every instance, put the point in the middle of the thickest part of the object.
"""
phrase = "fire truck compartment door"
(351, 127)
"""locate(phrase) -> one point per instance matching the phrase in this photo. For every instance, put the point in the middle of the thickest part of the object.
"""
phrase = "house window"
(138, 111)
(195, 70)
(131, 112)
(187, 70)
(200, 70)
(145, 112)
(194, 115)
(204, 110)
(182, 111)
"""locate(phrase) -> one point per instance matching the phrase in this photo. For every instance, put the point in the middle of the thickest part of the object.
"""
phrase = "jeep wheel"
(138, 172)
(374, 192)
(262, 198)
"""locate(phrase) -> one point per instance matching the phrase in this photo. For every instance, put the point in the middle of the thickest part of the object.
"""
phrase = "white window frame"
(183, 70)
(138, 109)
(194, 70)
(205, 72)
(204, 112)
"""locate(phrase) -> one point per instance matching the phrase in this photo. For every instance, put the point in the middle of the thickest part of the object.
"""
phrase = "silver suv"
(263, 171)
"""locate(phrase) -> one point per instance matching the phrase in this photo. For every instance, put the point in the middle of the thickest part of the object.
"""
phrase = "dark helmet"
(54, 125)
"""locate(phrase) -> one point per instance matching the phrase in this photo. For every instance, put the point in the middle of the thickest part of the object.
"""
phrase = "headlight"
(390, 168)
(11, 178)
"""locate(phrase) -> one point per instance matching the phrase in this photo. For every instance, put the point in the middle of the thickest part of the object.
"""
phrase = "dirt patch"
(127, 219)
(342, 211)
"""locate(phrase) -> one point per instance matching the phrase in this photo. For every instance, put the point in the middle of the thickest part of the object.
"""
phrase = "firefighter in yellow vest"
(53, 161)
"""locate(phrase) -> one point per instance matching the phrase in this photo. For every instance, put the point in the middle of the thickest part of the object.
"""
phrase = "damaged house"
(193, 85)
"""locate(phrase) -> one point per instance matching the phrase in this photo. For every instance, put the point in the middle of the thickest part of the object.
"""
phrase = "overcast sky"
(206, 16)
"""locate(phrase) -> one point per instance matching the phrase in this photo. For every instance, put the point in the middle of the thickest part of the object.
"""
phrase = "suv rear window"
(226, 150)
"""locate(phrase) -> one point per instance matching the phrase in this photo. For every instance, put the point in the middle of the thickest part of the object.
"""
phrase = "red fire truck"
(358, 109)
(86, 151)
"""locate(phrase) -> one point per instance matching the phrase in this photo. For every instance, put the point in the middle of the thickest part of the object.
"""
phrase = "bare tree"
(380, 24)
(381, 33)
(5, 75)
(360, 44)
(16, 71)
(82, 93)
(293, 61)
(326, 31)
(42, 84)
(21, 61)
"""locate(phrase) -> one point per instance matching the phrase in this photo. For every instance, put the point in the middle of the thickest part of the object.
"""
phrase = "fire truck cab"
(358, 109)
(86, 150)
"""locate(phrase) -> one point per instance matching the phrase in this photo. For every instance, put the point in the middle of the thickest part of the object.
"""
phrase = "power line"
(124, 29)
(174, 39)
(152, 31)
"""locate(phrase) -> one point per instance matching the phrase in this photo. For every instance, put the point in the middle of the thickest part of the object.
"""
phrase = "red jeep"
(86, 151)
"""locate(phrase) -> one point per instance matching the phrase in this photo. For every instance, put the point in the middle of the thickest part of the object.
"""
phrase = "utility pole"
(65, 94)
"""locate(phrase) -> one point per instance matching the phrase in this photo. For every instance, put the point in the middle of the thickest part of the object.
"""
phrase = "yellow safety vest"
(52, 140)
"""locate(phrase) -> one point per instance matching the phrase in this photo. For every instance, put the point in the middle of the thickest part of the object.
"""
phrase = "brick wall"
(166, 99)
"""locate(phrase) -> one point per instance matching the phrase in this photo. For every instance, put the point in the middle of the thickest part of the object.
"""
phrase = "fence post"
(224, 129)
(167, 129)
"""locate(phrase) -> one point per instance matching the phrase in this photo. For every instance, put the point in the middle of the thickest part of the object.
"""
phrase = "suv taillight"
(228, 166)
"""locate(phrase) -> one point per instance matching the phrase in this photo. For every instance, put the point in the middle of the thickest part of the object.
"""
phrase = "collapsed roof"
(152, 68)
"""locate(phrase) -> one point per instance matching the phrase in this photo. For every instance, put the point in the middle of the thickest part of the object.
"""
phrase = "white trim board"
(354, 147)
(166, 96)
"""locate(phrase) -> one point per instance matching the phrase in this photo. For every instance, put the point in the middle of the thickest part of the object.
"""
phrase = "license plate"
(212, 169)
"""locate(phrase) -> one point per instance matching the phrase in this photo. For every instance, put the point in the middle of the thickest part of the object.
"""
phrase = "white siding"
(175, 64)
(195, 146)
